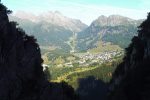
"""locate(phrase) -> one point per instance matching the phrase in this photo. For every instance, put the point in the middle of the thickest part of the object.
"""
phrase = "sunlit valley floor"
(70, 67)
(87, 72)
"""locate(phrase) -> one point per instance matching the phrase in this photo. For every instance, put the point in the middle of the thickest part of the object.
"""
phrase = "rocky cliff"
(116, 29)
(21, 73)
(131, 80)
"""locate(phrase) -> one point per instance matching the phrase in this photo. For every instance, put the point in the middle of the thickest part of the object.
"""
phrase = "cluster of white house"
(101, 56)
(89, 58)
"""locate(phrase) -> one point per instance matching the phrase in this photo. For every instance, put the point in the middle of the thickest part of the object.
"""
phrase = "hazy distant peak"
(58, 12)
(102, 17)
(25, 15)
(114, 16)
(53, 17)
(119, 17)
(51, 13)
(112, 20)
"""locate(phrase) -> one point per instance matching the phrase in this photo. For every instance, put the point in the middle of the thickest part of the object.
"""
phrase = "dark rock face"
(21, 73)
(131, 80)
(92, 89)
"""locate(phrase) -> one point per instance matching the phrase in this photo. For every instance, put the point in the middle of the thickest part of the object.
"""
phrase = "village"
(87, 59)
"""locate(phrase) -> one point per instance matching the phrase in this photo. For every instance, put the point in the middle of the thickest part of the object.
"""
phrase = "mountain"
(55, 18)
(51, 29)
(55, 31)
(113, 20)
(131, 79)
(116, 29)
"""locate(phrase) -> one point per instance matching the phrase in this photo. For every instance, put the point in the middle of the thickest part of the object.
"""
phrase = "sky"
(85, 10)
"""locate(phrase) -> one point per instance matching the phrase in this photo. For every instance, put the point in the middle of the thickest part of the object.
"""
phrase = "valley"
(49, 55)
(70, 67)
(72, 50)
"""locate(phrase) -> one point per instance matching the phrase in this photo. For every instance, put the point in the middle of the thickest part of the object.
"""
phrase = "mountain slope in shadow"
(21, 73)
(131, 80)
(92, 89)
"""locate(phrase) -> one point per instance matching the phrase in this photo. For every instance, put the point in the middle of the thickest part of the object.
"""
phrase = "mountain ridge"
(55, 18)
(55, 29)
(113, 20)
(53, 33)
(116, 29)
